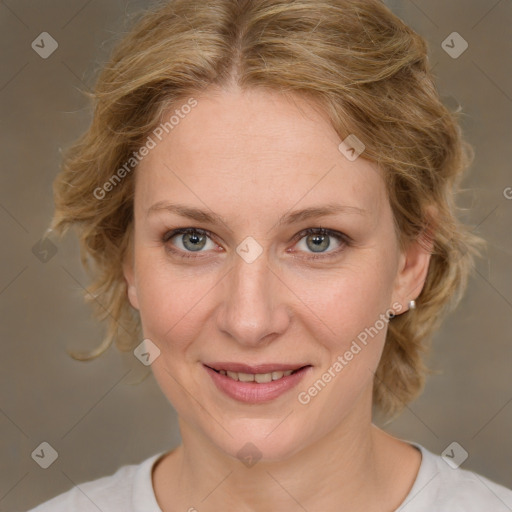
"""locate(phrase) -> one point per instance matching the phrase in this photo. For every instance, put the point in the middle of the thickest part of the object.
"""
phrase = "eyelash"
(341, 237)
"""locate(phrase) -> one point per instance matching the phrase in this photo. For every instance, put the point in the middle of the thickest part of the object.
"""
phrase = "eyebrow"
(199, 215)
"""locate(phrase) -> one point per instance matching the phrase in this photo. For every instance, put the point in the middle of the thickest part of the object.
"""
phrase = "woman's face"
(249, 291)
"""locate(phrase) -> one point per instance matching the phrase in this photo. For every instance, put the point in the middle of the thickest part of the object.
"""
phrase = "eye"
(191, 240)
(317, 241)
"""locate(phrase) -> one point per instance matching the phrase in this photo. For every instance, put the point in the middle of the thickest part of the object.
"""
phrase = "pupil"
(194, 239)
(321, 242)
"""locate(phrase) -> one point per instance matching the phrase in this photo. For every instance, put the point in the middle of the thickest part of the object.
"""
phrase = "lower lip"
(252, 392)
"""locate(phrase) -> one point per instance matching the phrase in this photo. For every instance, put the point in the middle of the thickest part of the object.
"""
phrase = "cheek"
(353, 306)
(347, 301)
(172, 312)
(171, 301)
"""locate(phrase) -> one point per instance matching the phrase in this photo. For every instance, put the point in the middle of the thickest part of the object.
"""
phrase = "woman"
(267, 193)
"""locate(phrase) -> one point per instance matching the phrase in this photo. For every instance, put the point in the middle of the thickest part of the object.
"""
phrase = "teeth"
(263, 377)
(256, 377)
(246, 377)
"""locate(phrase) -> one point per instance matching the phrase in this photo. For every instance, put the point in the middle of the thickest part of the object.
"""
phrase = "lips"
(255, 383)
(254, 369)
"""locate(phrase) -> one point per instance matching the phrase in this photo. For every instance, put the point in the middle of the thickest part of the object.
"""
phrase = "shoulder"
(442, 486)
(126, 490)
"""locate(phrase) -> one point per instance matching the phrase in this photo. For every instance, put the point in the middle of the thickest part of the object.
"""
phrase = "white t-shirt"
(437, 488)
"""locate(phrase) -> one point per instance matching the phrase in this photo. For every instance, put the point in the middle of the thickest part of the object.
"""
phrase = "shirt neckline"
(143, 493)
(426, 474)
(144, 497)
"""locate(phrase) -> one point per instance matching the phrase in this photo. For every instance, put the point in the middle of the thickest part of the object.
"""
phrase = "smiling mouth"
(260, 378)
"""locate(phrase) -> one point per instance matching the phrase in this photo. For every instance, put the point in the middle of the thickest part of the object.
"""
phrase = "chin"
(257, 440)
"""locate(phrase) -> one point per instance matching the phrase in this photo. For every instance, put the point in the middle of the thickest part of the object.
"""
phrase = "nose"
(253, 308)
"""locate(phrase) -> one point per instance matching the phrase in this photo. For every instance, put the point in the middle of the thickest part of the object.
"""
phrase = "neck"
(348, 469)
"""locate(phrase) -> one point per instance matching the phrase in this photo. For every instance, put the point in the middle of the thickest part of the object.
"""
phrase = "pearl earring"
(412, 304)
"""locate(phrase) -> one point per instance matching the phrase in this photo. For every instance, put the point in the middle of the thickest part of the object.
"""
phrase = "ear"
(413, 267)
(129, 275)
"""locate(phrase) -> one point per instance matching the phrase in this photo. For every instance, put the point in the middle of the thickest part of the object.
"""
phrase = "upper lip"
(258, 368)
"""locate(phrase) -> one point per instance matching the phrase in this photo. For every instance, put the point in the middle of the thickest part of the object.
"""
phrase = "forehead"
(254, 148)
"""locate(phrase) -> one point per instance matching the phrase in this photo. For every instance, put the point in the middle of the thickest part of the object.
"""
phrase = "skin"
(283, 307)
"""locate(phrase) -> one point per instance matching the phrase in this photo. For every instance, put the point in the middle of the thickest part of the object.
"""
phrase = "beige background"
(95, 414)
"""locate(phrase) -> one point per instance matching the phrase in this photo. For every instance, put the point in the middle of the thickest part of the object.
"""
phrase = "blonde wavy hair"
(369, 72)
